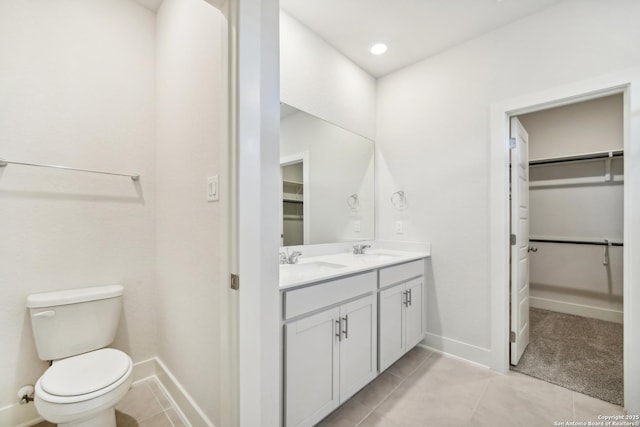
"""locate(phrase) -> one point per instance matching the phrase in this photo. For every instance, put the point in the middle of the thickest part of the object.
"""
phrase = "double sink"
(329, 266)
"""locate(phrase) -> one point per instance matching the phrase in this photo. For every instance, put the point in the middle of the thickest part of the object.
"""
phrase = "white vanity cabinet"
(330, 353)
(401, 311)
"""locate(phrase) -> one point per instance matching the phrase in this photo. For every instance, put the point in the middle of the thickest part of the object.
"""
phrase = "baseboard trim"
(457, 349)
(144, 369)
(182, 400)
(18, 415)
(577, 309)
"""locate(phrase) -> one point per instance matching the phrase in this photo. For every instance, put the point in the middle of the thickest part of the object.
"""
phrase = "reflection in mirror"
(327, 181)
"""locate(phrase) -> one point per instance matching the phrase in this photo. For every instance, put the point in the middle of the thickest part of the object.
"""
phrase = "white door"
(413, 314)
(520, 248)
(391, 325)
(311, 360)
(359, 345)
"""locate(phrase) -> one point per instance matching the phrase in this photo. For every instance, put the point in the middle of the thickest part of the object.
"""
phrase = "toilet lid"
(85, 373)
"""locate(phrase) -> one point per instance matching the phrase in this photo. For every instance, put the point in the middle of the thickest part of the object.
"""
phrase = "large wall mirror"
(327, 181)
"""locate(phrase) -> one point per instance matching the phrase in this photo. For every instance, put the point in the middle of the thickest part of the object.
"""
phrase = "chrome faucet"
(359, 249)
(289, 258)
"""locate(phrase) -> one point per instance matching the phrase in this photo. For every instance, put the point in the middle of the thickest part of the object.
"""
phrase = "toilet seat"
(84, 377)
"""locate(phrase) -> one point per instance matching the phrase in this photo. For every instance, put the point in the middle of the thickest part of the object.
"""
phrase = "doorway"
(567, 314)
(292, 231)
(627, 83)
(295, 199)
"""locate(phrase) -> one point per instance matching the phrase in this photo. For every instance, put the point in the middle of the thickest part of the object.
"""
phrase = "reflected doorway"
(292, 224)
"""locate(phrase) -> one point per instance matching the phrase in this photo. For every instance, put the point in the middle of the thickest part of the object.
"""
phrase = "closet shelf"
(575, 182)
(576, 241)
(292, 217)
(603, 155)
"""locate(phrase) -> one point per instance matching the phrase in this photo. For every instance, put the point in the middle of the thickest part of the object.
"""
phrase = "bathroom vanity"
(345, 319)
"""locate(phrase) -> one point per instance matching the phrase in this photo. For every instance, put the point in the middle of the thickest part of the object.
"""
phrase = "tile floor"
(146, 405)
(426, 389)
(422, 389)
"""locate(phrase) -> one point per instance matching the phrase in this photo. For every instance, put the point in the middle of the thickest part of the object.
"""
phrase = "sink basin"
(310, 267)
(373, 257)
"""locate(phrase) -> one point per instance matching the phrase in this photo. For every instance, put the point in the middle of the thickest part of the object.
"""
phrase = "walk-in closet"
(292, 204)
(576, 183)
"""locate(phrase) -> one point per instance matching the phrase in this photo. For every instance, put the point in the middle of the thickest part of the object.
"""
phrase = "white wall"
(74, 91)
(575, 274)
(433, 139)
(316, 78)
(191, 244)
(340, 163)
(586, 127)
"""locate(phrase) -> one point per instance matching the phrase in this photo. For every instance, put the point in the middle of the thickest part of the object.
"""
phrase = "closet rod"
(593, 156)
(4, 162)
(578, 242)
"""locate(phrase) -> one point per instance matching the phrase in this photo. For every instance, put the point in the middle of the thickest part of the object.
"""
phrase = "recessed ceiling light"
(378, 48)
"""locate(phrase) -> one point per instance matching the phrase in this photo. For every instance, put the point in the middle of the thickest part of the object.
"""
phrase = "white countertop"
(319, 268)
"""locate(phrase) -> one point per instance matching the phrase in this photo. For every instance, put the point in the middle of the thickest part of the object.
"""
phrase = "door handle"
(532, 249)
(346, 326)
(339, 329)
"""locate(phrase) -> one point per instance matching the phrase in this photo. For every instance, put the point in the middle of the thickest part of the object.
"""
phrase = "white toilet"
(85, 380)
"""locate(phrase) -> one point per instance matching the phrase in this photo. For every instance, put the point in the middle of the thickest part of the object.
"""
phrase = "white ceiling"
(413, 29)
(154, 5)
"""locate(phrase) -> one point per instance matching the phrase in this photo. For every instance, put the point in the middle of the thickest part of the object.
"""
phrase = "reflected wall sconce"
(353, 201)
(399, 200)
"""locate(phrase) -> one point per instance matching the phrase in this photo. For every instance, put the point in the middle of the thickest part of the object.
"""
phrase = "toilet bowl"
(86, 380)
(83, 390)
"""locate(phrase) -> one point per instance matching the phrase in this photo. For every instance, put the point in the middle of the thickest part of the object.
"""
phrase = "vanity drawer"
(401, 273)
(314, 297)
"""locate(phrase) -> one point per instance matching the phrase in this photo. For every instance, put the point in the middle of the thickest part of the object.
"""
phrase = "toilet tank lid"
(73, 296)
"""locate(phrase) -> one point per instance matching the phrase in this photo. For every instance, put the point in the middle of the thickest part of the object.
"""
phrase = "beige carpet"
(575, 352)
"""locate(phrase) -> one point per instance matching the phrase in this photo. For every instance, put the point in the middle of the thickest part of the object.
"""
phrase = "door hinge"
(512, 143)
(512, 336)
(512, 239)
(235, 281)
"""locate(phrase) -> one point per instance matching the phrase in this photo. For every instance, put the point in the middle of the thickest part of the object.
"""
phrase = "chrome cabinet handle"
(346, 326)
(338, 329)
(405, 297)
(409, 301)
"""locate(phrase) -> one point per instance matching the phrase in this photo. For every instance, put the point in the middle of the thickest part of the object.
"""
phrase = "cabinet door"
(414, 332)
(311, 368)
(359, 345)
(391, 330)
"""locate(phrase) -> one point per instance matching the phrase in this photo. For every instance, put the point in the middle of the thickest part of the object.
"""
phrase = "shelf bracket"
(607, 168)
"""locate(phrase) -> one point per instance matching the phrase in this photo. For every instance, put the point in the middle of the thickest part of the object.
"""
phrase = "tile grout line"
(155, 395)
(169, 418)
(164, 410)
(484, 391)
(394, 389)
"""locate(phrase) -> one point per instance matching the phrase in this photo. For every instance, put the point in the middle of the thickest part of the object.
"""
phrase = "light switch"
(212, 189)
(398, 227)
(356, 226)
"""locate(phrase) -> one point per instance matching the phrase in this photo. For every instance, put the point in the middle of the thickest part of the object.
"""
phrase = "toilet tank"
(74, 321)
